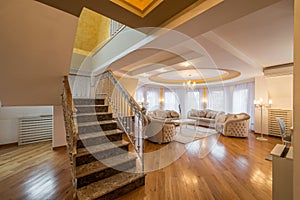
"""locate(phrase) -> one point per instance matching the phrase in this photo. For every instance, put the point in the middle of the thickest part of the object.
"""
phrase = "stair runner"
(104, 167)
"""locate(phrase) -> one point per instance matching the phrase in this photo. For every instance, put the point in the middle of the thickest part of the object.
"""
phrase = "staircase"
(104, 168)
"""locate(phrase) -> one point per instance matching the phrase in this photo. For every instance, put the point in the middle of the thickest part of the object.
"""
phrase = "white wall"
(280, 90)
(9, 123)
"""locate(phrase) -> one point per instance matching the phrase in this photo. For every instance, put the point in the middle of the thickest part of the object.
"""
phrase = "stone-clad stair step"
(91, 108)
(101, 151)
(89, 127)
(89, 101)
(112, 187)
(95, 171)
(90, 139)
(92, 117)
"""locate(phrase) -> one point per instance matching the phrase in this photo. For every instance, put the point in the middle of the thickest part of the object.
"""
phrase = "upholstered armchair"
(235, 125)
(159, 131)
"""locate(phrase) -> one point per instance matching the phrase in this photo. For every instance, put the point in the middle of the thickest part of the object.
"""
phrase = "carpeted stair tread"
(101, 147)
(98, 134)
(105, 186)
(93, 114)
(96, 123)
(96, 166)
(80, 106)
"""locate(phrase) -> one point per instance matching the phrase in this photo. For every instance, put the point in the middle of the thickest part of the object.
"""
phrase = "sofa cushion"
(207, 120)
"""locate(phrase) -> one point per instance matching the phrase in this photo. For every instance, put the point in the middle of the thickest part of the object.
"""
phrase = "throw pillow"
(169, 114)
(209, 114)
(193, 113)
(174, 114)
(213, 114)
(202, 113)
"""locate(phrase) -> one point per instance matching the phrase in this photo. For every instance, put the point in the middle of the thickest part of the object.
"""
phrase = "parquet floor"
(216, 167)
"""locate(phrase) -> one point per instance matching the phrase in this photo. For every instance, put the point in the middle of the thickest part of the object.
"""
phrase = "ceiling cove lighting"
(138, 7)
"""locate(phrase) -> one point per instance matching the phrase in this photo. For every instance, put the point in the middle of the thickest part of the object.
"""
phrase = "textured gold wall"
(92, 30)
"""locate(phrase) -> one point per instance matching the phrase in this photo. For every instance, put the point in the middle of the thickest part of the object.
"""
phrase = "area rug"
(189, 134)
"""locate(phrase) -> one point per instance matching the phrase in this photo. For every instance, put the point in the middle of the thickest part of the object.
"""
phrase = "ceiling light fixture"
(186, 64)
(189, 84)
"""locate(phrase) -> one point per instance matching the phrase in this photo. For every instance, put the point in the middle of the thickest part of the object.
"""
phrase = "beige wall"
(129, 84)
(280, 90)
(297, 101)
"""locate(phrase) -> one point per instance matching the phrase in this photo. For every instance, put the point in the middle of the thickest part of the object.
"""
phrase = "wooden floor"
(216, 167)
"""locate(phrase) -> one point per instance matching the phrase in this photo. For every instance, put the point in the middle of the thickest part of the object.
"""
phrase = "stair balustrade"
(125, 108)
(71, 128)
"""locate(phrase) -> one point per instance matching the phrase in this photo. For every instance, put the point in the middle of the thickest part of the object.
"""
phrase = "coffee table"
(185, 122)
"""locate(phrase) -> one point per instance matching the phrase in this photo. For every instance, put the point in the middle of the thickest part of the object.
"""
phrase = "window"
(152, 98)
(171, 100)
(148, 97)
(240, 101)
(216, 99)
(194, 99)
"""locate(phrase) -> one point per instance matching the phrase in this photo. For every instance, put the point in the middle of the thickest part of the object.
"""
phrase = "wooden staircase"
(105, 169)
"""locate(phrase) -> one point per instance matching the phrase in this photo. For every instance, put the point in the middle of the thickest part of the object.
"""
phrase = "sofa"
(160, 128)
(234, 125)
(165, 115)
(204, 117)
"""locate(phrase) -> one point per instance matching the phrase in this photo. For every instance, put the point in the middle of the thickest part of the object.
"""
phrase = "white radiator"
(35, 129)
(285, 115)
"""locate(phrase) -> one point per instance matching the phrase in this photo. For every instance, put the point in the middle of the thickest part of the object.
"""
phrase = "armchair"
(235, 125)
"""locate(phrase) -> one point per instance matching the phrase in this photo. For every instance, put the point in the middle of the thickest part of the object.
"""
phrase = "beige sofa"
(165, 115)
(205, 117)
(160, 128)
(159, 131)
(235, 125)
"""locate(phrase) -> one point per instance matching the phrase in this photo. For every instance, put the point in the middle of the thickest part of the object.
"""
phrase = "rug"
(189, 134)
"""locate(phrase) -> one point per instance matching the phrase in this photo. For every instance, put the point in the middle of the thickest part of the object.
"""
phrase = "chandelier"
(189, 84)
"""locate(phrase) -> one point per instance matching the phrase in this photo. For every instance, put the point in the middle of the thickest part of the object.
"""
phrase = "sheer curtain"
(171, 100)
(139, 95)
(152, 98)
(216, 98)
(243, 97)
(193, 99)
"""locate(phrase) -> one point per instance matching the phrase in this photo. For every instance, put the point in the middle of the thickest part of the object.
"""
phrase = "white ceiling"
(247, 44)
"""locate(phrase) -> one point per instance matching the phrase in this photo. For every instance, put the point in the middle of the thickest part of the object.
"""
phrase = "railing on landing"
(71, 128)
(126, 110)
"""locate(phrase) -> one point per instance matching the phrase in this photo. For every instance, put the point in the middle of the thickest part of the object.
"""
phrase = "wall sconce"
(259, 104)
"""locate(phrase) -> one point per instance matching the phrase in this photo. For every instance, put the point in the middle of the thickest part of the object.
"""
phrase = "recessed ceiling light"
(186, 64)
(161, 70)
(145, 75)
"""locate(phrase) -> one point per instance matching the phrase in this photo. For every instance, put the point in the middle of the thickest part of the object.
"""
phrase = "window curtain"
(243, 97)
(193, 99)
(139, 95)
(216, 98)
(152, 98)
(171, 100)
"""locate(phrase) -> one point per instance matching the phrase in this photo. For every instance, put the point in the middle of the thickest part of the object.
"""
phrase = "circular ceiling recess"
(200, 76)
